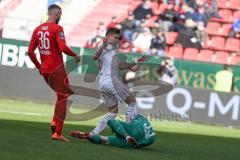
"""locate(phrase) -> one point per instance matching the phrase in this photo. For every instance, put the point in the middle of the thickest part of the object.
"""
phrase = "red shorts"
(58, 81)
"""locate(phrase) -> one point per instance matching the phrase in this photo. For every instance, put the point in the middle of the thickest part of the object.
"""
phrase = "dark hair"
(161, 69)
(112, 30)
(53, 6)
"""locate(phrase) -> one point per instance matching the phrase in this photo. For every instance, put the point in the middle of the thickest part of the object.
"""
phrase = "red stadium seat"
(232, 44)
(134, 5)
(213, 28)
(226, 15)
(221, 57)
(236, 15)
(234, 4)
(217, 43)
(224, 31)
(191, 54)
(222, 3)
(207, 44)
(235, 60)
(175, 51)
(171, 37)
(155, 6)
(205, 55)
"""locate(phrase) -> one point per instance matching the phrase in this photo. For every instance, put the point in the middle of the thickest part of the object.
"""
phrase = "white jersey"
(109, 70)
(169, 76)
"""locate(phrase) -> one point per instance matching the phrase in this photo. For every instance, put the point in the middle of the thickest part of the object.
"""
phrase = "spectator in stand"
(143, 11)
(212, 8)
(187, 36)
(156, 28)
(186, 12)
(139, 29)
(202, 36)
(169, 17)
(114, 22)
(143, 24)
(128, 26)
(200, 3)
(224, 80)
(235, 29)
(176, 2)
(98, 35)
(143, 41)
(192, 3)
(158, 44)
(200, 16)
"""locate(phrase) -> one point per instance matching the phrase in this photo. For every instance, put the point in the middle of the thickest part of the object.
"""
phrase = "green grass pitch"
(25, 135)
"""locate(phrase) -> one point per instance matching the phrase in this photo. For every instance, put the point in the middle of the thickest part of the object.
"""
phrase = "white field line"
(24, 113)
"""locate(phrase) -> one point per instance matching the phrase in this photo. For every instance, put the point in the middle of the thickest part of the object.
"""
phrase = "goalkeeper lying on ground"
(137, 132)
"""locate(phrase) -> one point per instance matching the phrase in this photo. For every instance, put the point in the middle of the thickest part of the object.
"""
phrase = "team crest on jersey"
(61, 34)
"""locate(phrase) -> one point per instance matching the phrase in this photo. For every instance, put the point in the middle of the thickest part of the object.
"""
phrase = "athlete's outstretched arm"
(31, 49)
(124, 65)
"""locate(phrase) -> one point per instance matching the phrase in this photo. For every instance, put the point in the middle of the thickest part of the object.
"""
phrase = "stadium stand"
(223, 3)
(213, 28)
(206, 55)
(232, 44)
(221, 57)
(215, 41)
(19, 24)
(171, 37)
(6, 7)
(175, 51)
(102, 12)
(191, 54)
(234, 4)
(83, 23)
(224, 31)
(226, 14)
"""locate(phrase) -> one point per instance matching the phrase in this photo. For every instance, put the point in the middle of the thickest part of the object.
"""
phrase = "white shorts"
(112, 93)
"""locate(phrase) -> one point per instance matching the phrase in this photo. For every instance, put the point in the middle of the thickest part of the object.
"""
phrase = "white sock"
(103, 123)
(131, 111)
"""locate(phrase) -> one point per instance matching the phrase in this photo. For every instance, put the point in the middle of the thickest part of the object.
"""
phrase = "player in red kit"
(50, 40)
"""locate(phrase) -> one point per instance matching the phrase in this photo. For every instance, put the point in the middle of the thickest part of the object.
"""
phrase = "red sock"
(59, 127)
(54, 121)
(60, 113)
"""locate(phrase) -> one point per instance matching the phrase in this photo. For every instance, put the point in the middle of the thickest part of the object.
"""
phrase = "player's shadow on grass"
(167, 145)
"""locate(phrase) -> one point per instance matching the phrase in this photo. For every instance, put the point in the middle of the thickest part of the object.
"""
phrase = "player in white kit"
(112, 88)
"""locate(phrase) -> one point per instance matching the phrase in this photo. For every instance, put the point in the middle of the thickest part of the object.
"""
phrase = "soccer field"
(25, 134)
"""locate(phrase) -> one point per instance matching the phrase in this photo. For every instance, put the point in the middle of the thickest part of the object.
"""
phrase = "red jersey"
(50, 40)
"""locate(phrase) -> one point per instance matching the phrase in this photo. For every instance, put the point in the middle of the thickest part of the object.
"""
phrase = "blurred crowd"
(144, 29)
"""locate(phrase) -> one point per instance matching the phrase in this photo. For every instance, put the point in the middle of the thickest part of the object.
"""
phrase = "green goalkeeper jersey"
(141, 129)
